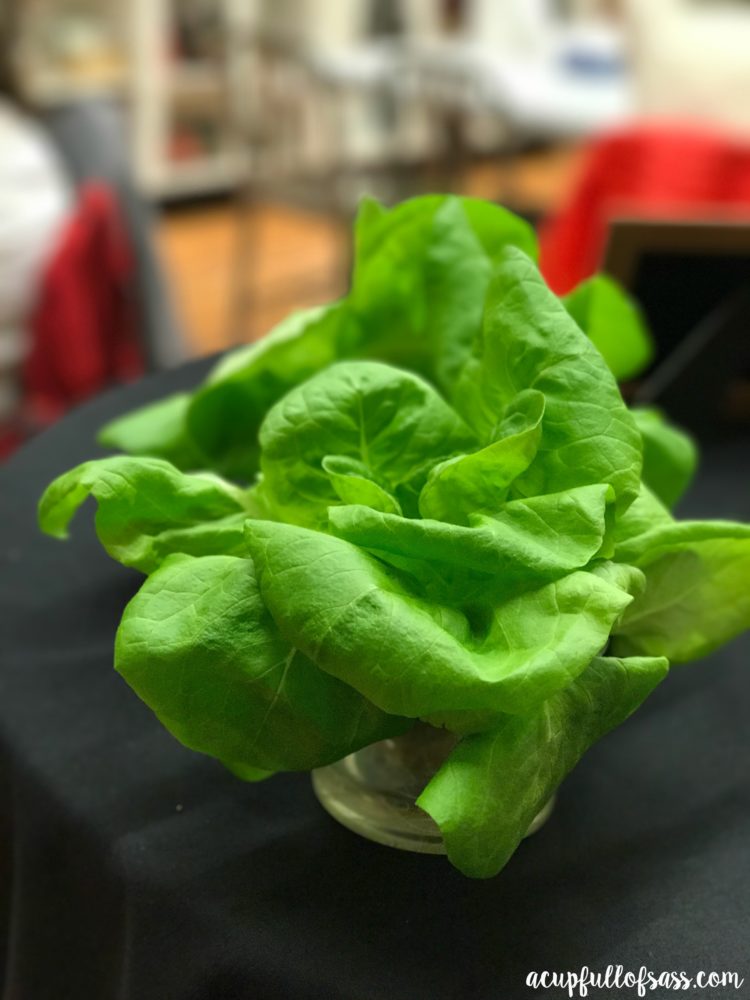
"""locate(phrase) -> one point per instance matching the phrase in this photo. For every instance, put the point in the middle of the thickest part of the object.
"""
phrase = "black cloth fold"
(133, 869)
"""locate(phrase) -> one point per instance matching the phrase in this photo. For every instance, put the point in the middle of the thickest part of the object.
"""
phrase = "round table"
(134, 869)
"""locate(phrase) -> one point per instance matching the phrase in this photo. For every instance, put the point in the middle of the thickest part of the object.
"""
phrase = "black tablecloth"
(134, 869)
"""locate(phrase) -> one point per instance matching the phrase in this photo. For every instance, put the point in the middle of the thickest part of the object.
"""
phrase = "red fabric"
(83, 330)
(9, 441)
(659, 171)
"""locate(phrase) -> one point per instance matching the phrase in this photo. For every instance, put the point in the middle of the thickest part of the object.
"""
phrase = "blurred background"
(177, 175)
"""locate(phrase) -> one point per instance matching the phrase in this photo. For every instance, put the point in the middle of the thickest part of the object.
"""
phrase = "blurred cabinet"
(192, 76)
(189, 79)
(179, 67)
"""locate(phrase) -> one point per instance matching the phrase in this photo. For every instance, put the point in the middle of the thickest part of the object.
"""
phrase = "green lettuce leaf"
(391, 422)
(198, 646)
(226, 412)
(479, 482)
(493, 784)
(147, 509)
(357, 618)
(527, 543)
(629, 579)
(670, 457)
(247, 773)
(529, 341)
(354, 484)
(645, 513)
(421, 273)
(614, 323)
(224, 536)
(696, 596)
(158, 430)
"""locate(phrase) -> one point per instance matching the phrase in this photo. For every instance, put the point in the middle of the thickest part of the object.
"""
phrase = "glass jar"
(374, 791)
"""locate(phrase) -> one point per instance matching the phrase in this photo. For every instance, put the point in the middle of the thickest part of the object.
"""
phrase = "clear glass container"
(374, 791)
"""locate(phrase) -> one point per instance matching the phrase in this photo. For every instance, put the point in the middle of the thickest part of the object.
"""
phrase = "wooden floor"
(294, 258)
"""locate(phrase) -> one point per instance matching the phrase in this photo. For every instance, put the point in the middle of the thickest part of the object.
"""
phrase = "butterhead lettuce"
(427, 501)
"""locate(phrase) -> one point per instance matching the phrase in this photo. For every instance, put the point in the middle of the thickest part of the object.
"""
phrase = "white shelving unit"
(183, 106)
(183, 102)
(179, 101)
(306, 83)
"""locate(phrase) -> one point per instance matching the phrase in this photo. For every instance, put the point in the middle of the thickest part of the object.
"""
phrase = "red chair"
(663, 171)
